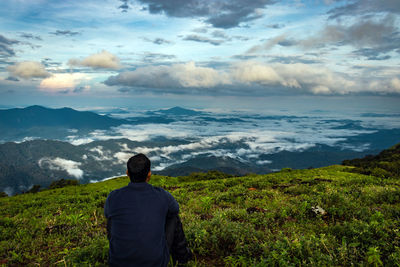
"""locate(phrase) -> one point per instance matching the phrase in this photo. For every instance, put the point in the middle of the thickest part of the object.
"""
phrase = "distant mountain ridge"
(42, 122)
(37, 116)
(176, 111)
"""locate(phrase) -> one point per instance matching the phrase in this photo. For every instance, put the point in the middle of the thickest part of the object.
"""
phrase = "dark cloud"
(373, 53)
(156, 57)
(241, 38)
(65, 33)
(47, 62)
(244, 57)
(160, 41)
(13, 79)
(5, 47)
(281, 40)
(371, 37)
(30, 36)
(125, 6)
(293, 60)
(361, 7)
(219, 13)
(157, 41)
(78, 89)
(200, 30)
(202, 39)
(276, 26)
(124, 89)
(220, 34)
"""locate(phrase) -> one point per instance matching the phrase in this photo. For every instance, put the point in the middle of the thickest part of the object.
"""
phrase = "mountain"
(176, 111)
(318, 156)
(38, 116)
(38, 121)
(318, 217)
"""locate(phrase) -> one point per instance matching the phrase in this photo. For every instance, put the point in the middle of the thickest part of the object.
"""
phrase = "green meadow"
(318, 217)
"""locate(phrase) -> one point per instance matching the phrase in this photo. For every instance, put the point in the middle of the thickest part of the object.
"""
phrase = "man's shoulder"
(116, 191)
(157, 189)
(162, 190)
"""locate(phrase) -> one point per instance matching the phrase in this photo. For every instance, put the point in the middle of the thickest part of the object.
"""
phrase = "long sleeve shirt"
(137, 213)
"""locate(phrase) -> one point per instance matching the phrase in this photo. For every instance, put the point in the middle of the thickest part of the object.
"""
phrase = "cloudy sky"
(197, 52)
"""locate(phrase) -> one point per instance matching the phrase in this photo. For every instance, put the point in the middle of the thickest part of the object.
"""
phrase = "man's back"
(137, 215)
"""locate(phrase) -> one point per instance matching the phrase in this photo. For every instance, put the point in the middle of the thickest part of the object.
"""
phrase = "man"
(143, 226)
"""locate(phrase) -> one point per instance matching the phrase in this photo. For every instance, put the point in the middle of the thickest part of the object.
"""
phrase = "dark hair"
(138, 168)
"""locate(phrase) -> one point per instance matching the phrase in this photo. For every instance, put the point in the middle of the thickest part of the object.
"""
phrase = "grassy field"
(316, 217)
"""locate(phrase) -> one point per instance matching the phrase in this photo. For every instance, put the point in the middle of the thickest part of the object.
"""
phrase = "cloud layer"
(244, 140)
(244, 77)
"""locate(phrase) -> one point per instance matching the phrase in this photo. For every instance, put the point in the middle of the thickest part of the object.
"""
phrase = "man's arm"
(107, 215)
(109, 228)
(173, 206)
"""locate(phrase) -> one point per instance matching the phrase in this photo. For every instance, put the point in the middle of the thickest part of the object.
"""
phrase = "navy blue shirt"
(137, 213)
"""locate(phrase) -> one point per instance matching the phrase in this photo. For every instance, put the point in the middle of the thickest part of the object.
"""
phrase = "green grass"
(257, 220)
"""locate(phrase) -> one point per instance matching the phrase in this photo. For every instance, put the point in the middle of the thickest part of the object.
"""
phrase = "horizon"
(156, 54)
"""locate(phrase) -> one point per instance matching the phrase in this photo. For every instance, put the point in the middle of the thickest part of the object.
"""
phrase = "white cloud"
(101, 60)
(28, 69)
(384, 86)
(262, 162)
(186, 75)
(320, 89)
(241, 77)
(123, 157)
(395, 84)
(100, 154)
(63, 82)
(249, 72)
(124, 147)
(60, 164)
(298, 76)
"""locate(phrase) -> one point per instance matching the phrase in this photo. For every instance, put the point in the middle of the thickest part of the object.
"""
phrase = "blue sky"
(197, 52)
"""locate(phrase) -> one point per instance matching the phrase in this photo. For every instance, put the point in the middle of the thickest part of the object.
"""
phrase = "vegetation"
(63, 183)
(316, 217)
(384, 165)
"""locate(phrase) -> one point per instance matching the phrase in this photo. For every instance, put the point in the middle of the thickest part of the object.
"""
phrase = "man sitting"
(143, 225)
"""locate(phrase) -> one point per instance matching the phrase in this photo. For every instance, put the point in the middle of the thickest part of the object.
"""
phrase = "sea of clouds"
(240, 136)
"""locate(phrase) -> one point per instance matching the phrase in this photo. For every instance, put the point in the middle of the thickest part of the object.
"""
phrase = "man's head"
(138, 168)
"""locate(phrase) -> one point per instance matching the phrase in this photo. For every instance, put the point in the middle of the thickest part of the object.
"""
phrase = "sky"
(200, 53)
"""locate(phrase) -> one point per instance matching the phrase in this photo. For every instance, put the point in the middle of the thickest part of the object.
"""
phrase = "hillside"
(385, 164)
(317, 217)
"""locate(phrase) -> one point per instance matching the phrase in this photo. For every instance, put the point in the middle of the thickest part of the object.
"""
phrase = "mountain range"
(83, 145)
